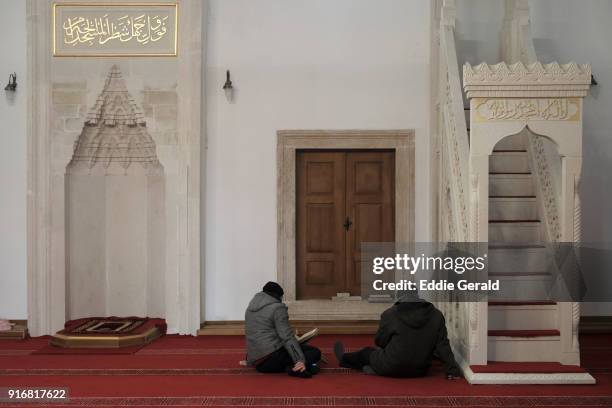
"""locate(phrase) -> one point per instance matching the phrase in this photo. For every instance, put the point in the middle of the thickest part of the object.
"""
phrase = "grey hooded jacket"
(267, 329)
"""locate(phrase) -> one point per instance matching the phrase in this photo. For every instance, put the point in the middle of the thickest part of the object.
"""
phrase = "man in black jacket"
(411, 332)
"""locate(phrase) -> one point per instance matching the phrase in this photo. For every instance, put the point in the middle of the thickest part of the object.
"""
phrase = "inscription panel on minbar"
(514, 109)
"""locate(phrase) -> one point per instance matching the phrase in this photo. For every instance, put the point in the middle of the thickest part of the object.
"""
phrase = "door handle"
(347, 224)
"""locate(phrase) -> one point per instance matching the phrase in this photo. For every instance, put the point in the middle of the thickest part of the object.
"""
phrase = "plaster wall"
(13, 285)
(299, 64)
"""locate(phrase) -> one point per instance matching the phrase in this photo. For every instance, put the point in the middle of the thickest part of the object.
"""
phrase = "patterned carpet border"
(147, 371)
(241, 351)
(162, 352)
(173, 371)
(16, 352)
(337, 401)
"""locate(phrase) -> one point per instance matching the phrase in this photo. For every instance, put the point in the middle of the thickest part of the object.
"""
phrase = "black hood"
(414, 314)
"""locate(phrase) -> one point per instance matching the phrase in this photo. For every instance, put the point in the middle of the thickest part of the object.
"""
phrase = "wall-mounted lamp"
(228, 87)
(12, 83)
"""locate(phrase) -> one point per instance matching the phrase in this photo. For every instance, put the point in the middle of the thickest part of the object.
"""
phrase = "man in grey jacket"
(271, 343)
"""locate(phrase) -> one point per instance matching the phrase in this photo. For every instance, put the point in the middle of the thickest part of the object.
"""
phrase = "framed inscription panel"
(115, 29)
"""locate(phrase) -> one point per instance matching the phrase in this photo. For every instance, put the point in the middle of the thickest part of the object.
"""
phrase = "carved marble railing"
(547, 175)
(454, 158)
(453, 127)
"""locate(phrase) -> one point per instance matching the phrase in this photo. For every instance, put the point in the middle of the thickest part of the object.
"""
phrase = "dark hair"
(274, 289)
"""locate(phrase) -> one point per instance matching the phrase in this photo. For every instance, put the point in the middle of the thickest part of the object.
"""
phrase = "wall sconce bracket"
(12, 83)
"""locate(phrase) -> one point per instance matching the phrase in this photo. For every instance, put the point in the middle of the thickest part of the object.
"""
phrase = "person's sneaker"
(314, 369)
(339, 353)
(299, 374)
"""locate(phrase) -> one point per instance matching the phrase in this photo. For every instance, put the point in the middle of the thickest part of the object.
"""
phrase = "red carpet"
(50, 349)
(187, 371)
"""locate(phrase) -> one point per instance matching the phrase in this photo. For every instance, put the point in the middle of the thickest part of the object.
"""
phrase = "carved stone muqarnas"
(115, 209)
(114, 136)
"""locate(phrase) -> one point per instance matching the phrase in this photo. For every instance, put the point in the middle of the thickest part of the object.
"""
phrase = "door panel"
(369, 218)
(320, 214)
(320, 220)
(368, 177)
(370, 205)
(334, 187)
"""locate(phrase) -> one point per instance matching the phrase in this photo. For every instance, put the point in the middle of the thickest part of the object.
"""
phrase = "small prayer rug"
(126, 335)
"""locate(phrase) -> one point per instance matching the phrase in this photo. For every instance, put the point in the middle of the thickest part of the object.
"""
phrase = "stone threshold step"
(526, 367)
(236, 327)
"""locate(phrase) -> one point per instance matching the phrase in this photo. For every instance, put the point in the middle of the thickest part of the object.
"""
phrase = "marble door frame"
(402, 142)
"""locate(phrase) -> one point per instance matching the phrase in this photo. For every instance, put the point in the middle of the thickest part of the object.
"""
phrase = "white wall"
(566, 30)
(13, 289)
(298, 64)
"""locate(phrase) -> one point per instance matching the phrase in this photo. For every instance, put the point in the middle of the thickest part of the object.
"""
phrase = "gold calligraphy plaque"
(513, 109)
(115, 29)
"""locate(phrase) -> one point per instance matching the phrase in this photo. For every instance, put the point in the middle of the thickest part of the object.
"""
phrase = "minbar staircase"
(528, 337)
(496, 186)
(530, 326)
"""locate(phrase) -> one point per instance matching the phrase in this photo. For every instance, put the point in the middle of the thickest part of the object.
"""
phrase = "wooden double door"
(344, 198)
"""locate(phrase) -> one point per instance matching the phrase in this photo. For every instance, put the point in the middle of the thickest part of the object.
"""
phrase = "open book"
(307, 336)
